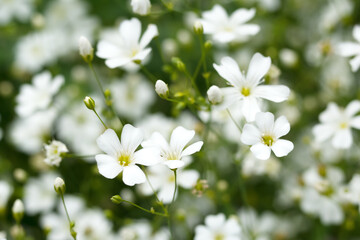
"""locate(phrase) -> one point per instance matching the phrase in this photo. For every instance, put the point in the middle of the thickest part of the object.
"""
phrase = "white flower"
(337, 123)
(92, 224)
(352, 49)
(162, 181)
(246, 88)
(6, 190)
(225, 29)
(54, 151)
(38, 95)
(18, 207)
(21, 9)
(172, 153)
(122, 156)
(217, 227)
(141, 7)
(264, 137)
(128, 47)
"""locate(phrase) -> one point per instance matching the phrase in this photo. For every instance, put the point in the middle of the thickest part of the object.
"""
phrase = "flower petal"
(242, 15)
(132, 175)
(230, 71)
(323, 132)
(355, 122)
(250, 135)
(173, 164)
(250, 108)
(108, 166)
(180, 137)
(193, 148)
(156, 140)
(187, 179)
(246, 30)
(147, 156)
(282, 147)
(130, 31)
(331, 114)
(151, 32)
(275, 93)
(261, 151)
(117, 62)
(109, 143)
(265, 122)
(142, 54)
(258, 67)
(215, 222)
(342, 139)
(356, 33)
(352, 108)
(355, 63)
(281, 127)
(131, 138)
(348, 49)
(106, 49)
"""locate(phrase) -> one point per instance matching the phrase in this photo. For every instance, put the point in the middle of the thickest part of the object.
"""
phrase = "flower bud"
(208, 45)
(86, 50)
(116, 199)
(59, 186)
(198, 28)
(141, 7)
(215, 95)
(89, 103)
(161, 88)
(18, 210)
(179, 64)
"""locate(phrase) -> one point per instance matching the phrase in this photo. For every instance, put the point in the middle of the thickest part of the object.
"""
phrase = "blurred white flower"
(123, 157)
(19, 9)
(251, 166)
(352, 49)
(141, 7)
(172, 153)
(142, 230)
(39, 194)
(128, 47)
(162, 180)
(92, 224)
(224, 28)
(54, 152)
(336, 122)
(264, 137)
(6, 190)
(217, 227)
(254, 225)
(38, 95)
(246, 88)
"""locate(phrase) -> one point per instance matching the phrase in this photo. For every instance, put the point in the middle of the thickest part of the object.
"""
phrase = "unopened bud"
(59, 186)
(179, 64)
(198, 28)
(215, 95)
(116, 199)
(208, 45)
(89, 103)
(161, 88)
(86, 50)
(18, 210)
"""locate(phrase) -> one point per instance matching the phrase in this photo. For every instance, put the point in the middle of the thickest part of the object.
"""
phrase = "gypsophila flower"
(141, 7)
(224, 28)
(264, 137)
(54, 152)
(123, 157)
(161, 88)
(128, 47)
(246, 88)
(352, 49)
(171, 154)
(336, 122)
(39, 94)
(215, 95)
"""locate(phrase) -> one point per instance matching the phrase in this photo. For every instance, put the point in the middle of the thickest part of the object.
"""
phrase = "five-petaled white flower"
(338, 122)
(38, 95)
(246, 88)
(264, 137)
(54, 152)
(217, 227)
(128, 47)
(225, 29)
(350, 49)
(171, 154)
(123, 157)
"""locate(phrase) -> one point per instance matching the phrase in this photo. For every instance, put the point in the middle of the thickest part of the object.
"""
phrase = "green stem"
(148, 73)
(176, 186)
(145, 210)
(193, 83)
(69, 155)
(202, 61)
(72, 232)
(97, 79)
(100, 119)
(170, 206)
(237, 125)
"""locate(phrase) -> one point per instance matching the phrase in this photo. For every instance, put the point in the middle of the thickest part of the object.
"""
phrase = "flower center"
(268, 140)
(245, 91)
(344, 125)
(219, 236)
(124, 160)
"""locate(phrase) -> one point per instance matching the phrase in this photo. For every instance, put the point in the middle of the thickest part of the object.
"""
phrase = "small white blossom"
(264, 137)
(59, 185)
(172, 153)
(141, 7)
(224, 28)
(122, 156)
(352, 49)
(18, 210)
(246, 89)
(336, 122)
(161, 88)
(128, 47)
(217, 227)
(54, 151)
(38, 95)
(85, 49)
(6, 190)
(20, 9)
(215, 95)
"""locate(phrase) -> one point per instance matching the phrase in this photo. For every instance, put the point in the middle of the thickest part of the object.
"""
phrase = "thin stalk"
(148, 73)
(176, 186)
(145, 210)
(193, 83)
(72, 232)
(97, 80)
(237, 125)
(100, 118)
